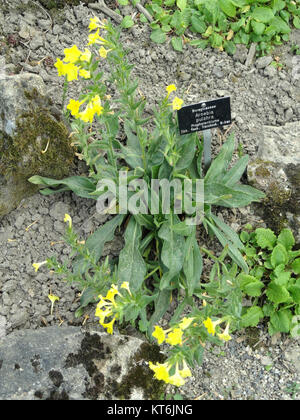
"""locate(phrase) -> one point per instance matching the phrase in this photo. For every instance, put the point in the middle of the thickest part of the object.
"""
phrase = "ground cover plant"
(220, 24)
(161, 259)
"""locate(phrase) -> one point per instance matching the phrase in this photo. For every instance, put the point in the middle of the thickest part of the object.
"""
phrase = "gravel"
(260, 95)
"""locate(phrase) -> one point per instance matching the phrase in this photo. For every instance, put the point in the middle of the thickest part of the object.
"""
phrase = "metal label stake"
(207, 149)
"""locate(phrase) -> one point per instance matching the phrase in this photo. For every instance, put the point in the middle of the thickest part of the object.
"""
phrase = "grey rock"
(19, 318)
(241, 53)
(2, 327)
(293, 356)
(217, 71)
(270, 71)
(276, 171)
(58, 210)
(69, 363)
(263, 62)
(36, 42)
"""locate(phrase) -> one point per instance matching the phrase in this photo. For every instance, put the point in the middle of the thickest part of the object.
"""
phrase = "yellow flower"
(71, 71)
(96, 103)
(94, 23)
(113, 291)
(103, 314)
(161, 371)
(68, 218)
(38, 265)
(170, 88)
(85, 73)
(103, 52)
(93, 37)
(109, 326)
(185, 371)
(125, 285)
(176, 379)
(53, 298)
(86, 56)
(60, 67)
(74, 106)
(177, 103)
(159, 334)
(175, 337)
(185, 323)
(87, 115)
(211, 326)
(225, 334)
(72, 54)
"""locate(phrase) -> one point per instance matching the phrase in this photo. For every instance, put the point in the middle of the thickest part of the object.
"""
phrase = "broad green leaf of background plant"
(265, 238)
(228, 8)
(132, 267)
(277, 294)
(279, 255)
(158, 36)
(296, 266)
(262, 14)
(281, 321)
(286, 238)
(252, 317)
(250, 285)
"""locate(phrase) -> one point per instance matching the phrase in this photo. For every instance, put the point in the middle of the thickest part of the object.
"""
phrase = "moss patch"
(140, 376)
(60, 4)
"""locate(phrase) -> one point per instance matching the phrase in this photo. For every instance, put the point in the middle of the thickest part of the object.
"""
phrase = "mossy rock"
(60, 4)
(34, 140)
(281, 184)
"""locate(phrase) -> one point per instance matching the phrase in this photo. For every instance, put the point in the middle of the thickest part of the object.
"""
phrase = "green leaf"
(279, 255)
(198, 23)
(193, 264)
(95, 243)
(132, 267)
(123, 2)
(278, 5)
(279, 25)
(158, 36)
(181, 4)
(281, 321)
(235, 173)
(277, 294)
(295, 292)
(172, 251)
(127, 22)
(161, 305)
(286, 238)
(80, 185)
(265, 238)
(183, 229)
(228, 8)
(177, 43)
(296, 22)
(296, 266)
(252, 316)
(187, 153)
(258, 27)
(89, 295)
(250, 285)
(221, 162)
(262, 14)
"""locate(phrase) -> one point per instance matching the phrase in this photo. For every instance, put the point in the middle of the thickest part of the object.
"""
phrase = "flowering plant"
(126, 155)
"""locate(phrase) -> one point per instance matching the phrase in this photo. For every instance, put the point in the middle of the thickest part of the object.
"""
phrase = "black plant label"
(204, 115)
